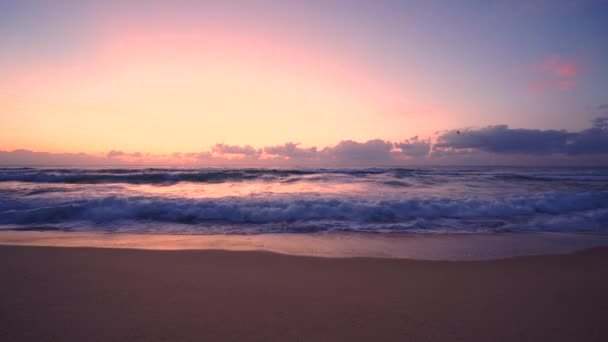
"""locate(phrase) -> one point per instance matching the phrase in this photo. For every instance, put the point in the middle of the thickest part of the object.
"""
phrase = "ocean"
(446, 200)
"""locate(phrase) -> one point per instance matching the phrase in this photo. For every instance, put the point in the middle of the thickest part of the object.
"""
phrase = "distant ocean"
(258, 201)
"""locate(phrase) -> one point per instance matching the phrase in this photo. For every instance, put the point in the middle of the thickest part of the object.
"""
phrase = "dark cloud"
(352, 152)
(291, 150)
(502, 139)
(234, 149)
(415, 147)
(590, 141)
(600, 123)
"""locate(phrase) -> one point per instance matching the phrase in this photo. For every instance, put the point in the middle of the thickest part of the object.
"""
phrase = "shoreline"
(450, 247)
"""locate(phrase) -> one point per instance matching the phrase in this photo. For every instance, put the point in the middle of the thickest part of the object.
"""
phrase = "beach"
(303, 254)
(108, 294)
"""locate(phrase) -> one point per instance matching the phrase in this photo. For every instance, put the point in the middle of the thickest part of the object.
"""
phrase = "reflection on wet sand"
(410, 246)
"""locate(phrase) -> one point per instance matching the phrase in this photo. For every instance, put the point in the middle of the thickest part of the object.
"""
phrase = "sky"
(345, 82)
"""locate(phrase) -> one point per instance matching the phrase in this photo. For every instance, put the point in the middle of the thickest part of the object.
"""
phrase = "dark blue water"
(254, 201)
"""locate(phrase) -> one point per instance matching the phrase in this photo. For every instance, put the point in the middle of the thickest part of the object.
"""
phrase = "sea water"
(304, 200)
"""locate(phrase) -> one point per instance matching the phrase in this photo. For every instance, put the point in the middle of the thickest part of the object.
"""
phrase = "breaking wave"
(517, 212)
(252, 201)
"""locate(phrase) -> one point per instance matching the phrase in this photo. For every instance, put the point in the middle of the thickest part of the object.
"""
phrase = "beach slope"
(102, 294)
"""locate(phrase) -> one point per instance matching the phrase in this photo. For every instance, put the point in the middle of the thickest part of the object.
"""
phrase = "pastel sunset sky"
(336, 81)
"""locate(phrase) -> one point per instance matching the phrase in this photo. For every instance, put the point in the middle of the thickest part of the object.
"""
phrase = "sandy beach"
(104, 294)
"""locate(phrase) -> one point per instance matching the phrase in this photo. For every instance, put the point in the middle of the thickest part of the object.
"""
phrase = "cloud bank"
(492, 145)
(502, 139)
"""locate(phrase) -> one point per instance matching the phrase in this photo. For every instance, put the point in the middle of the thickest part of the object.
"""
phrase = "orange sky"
(164, 90)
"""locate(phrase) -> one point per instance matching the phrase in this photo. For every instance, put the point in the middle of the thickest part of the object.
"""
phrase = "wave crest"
(304, 210)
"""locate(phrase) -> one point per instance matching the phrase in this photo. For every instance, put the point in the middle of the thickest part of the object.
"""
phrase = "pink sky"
(169, 77)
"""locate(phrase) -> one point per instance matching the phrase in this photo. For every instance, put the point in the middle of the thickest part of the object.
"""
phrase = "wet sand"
(334, 245)
(105, 294)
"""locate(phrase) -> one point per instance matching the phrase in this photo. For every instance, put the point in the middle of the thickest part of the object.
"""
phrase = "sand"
(104, 294)
(336, 245)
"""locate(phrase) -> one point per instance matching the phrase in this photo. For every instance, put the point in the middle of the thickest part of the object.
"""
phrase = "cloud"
(501, 139)
(291, 150)
(415, 147)
(600, 123)
(115, 153)
(590, 141)
(555, 73)
(201, 156)
(560, 67)
(234, 149)
(374, 151)
(491, 145)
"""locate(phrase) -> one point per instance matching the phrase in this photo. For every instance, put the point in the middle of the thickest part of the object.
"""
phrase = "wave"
(313, 212)
(557, 177)
(388, 176)
(167, 176)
